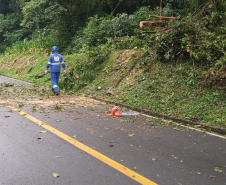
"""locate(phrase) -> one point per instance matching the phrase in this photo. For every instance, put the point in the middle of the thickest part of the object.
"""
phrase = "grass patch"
(174, 90)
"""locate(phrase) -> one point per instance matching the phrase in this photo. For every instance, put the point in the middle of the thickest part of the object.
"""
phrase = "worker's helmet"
(55, 48)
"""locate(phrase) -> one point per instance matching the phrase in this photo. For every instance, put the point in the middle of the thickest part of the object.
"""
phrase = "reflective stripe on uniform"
(55, 63)
(58, 63)
(55, 86)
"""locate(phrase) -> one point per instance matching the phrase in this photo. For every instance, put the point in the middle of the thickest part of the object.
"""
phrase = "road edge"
(208, 128)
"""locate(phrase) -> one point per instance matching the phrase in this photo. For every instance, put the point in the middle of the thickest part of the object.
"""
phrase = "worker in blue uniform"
(55, 62)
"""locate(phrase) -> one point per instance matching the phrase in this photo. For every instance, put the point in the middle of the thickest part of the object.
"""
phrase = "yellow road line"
(130, 173)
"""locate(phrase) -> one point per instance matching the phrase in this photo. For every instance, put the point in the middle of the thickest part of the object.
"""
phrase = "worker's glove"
(46, 71)
(64, 71)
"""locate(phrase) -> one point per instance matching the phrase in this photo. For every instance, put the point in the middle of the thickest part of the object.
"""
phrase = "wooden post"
(160, 10)
(152, 24)
(162, 17)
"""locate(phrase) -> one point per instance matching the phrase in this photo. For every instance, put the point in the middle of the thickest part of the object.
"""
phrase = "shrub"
(100, 29)
(200, 38)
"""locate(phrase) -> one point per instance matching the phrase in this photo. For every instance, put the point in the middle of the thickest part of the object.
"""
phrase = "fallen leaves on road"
(176, 129)
(43, 131)
(218, 169)
(117, 128)
(212, 177)
(56, 175)
(29, 95)
(174, 157)
(90, 129)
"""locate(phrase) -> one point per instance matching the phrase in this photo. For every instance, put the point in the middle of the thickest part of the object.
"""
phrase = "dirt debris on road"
(17, 94)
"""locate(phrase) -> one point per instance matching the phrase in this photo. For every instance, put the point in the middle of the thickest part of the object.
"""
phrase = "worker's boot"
(57, 93)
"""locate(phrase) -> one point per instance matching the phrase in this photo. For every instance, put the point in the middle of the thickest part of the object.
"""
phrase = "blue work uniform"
(55, 62)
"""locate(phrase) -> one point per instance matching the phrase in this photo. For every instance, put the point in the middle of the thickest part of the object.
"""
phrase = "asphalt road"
(166, 155)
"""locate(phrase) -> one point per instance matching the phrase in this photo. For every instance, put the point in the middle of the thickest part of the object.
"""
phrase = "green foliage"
(63, 19)
(10, 31)
(100, 30)
(143, 13)
(68, 81)
(38, 43)
(96, 32)
(87, 69)
(199, 37)
(48, 16)
(123, 25)
(179, 8)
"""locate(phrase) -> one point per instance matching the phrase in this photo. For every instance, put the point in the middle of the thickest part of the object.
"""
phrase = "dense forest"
(59, 20)
(93, 22)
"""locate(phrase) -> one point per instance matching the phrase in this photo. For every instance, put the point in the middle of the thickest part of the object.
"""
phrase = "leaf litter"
(43, 131)
(31, 96)
(218, 169)
(56, 175)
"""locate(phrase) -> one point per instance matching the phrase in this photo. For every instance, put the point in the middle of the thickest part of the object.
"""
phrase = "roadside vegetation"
(180, 72)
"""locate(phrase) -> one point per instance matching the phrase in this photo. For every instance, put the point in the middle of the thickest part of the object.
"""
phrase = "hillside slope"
(129, 77)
